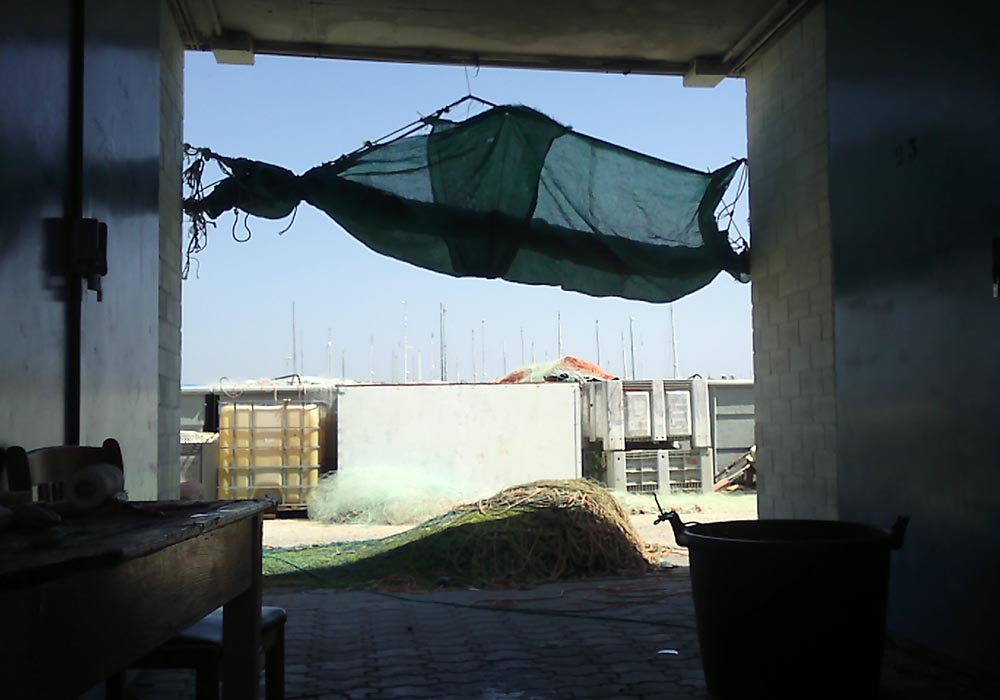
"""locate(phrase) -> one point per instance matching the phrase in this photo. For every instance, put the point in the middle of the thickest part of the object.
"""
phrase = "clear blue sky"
(298, 113)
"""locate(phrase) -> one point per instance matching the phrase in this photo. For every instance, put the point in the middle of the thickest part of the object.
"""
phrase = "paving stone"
(350, 645)
(361, 694)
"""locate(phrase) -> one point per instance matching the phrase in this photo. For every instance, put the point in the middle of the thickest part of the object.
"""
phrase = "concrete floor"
(628, 638)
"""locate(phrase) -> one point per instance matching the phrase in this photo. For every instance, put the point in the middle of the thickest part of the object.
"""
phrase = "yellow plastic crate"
(268, 450)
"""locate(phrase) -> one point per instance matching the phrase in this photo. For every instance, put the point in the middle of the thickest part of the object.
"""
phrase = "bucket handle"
(671, 516)
(679, 527)
(897, 531)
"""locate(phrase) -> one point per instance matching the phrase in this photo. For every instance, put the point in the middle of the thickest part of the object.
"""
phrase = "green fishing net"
(512, 194)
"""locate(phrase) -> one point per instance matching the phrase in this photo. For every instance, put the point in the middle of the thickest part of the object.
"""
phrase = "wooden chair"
(44, 472)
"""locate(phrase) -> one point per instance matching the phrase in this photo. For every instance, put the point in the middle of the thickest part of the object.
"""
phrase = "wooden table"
(79, 602)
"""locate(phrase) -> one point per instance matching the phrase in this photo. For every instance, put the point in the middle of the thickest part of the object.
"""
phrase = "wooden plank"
(104, 538)
(92, 623)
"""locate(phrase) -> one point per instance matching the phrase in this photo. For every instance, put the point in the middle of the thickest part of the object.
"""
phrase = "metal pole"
(631, 340)
(295, 357)
(597, 340)
(624, 359)
(522, 346)
(444, 351)
(343, 364)
(406, 365)
(559, 327)
(673, 341)
(432, 355)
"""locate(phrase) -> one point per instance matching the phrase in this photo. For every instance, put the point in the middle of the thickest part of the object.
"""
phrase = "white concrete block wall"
(171, 159)
(791, 273)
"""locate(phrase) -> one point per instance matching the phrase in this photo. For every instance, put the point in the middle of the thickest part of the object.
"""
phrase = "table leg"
(241, 628)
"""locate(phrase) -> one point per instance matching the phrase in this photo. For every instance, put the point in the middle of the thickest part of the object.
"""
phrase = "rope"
(739, 243)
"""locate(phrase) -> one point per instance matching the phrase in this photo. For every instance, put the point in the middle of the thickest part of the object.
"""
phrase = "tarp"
(510, 194)
(566, 369)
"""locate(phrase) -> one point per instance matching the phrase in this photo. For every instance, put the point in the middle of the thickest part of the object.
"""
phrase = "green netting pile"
(543, 531)
(510, 194)
(385, 495)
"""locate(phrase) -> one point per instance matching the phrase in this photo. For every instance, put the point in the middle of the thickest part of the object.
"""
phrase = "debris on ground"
(684, 508)
(739, 475)
(542, 531)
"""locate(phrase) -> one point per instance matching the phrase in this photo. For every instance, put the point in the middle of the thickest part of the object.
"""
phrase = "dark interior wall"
(120, 184)
(34, 129)
(79, 136)
(913, 111)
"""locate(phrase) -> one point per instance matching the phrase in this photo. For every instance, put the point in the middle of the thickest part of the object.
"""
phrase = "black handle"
(680, 531)
(898, 531)
(90, 241)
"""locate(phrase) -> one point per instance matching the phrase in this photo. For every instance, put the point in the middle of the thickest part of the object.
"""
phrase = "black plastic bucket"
(790, 608)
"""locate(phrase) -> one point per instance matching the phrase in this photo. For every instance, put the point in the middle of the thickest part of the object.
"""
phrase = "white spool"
(94, 484)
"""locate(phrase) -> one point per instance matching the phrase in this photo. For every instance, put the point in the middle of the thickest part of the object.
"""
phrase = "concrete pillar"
(791, 272)
(171, 163)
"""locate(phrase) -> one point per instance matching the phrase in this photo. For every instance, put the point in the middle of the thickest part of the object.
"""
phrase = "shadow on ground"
(623, 638)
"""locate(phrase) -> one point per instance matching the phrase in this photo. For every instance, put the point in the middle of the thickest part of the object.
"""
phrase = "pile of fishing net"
(542, 531)
(385, 495)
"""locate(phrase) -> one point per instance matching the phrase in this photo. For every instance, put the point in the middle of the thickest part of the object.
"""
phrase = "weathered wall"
(791, 271)
(79, 138)
(478, 438)
(120, 186)
(171, 161)
(34, 187)
(913, 104)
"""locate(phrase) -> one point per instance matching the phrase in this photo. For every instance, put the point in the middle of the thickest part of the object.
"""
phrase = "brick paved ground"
(526, 646)
(584, 639)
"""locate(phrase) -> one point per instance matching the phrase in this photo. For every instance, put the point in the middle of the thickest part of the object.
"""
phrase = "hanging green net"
(508, 194)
